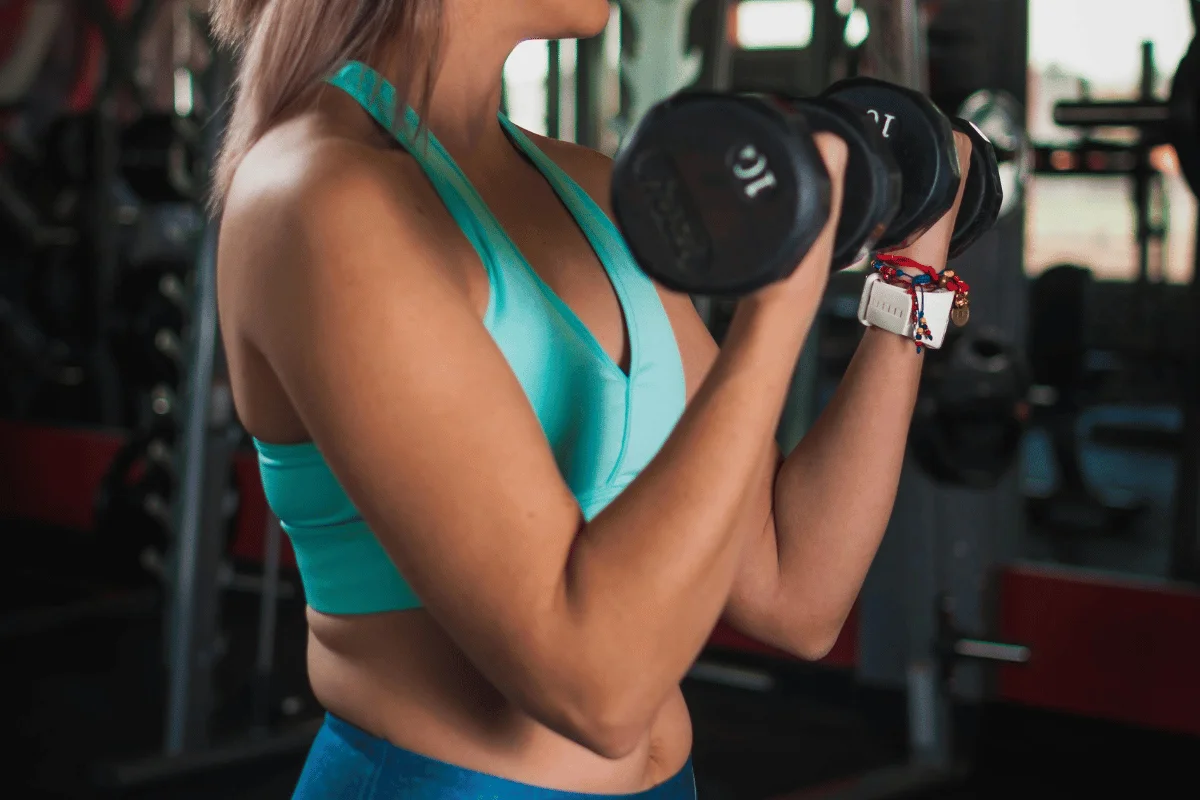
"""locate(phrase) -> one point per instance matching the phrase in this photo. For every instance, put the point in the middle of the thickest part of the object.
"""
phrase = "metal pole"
(589, 66)
(722, 49)
(182, 729)
(913, 46)
(205, 450)
(268, 613)
(553, 88)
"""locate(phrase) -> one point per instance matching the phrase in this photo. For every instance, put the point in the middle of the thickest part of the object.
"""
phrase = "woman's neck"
(462, 112)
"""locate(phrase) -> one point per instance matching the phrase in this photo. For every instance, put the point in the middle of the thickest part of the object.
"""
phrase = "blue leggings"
(347, 763)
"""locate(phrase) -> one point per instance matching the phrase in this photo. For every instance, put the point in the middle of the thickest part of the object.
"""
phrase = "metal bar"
(105, 259)
(913, 46)
(992, 651)
(553, 88)
(732, 675)
(268, 614)
(204, 452)
(722, 48)
(1113, 114)
(182, 730)
(588, 71)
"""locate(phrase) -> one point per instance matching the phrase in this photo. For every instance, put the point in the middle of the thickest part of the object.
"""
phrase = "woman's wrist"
(934, 299)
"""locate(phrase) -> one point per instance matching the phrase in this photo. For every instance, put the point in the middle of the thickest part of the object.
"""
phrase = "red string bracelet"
(890, 268)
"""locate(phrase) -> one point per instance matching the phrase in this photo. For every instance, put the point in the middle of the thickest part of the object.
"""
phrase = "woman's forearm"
(650, 574)
(834, 493)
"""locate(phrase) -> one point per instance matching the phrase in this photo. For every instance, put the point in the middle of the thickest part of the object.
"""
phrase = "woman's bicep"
(418, 415)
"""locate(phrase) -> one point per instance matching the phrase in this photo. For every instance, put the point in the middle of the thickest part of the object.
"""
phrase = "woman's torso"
(397, 674)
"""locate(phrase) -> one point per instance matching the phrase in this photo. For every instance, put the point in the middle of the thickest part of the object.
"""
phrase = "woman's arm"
(833, 495)
(814, 523)
(342, 286)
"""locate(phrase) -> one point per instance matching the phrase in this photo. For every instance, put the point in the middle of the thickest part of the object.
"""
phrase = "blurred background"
(1031, 626)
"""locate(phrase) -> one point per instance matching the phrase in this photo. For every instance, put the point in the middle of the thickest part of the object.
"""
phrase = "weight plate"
(871, 197)
(719, 195)
(1001, 118)
(922, 143)
(982, 194)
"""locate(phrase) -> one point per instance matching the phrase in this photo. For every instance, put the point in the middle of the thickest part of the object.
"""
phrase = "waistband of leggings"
(399, 761)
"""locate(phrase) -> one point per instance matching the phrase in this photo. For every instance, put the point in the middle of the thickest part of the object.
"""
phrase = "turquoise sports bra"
(603, 426)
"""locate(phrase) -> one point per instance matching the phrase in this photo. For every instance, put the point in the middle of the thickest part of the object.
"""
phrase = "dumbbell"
(722, 195)
(719, 194)
(921, 138)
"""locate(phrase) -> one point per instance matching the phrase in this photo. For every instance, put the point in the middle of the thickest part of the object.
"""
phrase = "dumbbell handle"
(1112, 114)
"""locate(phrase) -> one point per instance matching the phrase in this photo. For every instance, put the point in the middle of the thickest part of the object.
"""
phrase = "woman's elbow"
(812, 639)
(597, 712)
(606, 723)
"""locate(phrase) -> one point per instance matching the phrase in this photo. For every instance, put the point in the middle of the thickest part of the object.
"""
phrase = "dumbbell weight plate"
(871, 197)
(719, 195)
(922, 143)
(1001, 119)
(982, 194)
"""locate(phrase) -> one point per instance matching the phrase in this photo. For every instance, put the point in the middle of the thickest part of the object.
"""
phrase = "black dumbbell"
(680, 189)
(983, 194)
(719, 194)
(871, 198)
(722, 195)
(921, 139)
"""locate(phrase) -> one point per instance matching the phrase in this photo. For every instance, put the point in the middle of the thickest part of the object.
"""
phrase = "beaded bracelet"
(890, 269)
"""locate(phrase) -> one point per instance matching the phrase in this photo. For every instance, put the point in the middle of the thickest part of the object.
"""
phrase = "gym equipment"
(1173, 122)
(149, 315)
(972, 409)
(922, 141)
(1058, 351)
(723, 194)
(132, 505)
(719, 194)
(870, 169)
(983, 193)
(999, 116)
(689, 224)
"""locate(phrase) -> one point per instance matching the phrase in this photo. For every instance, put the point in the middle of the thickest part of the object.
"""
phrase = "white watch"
(889, 307)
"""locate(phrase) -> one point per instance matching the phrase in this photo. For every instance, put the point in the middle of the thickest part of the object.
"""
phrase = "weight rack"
(209, 435)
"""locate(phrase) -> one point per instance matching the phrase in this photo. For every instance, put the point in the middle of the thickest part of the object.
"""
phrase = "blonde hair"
(285, 49)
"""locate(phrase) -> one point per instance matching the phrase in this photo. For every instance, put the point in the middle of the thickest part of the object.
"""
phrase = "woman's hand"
(811, 275)
(933, 247)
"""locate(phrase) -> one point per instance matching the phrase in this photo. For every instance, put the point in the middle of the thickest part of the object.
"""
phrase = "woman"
(522, 483)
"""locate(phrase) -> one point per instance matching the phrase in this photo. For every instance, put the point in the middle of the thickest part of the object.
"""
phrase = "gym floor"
(86, 693)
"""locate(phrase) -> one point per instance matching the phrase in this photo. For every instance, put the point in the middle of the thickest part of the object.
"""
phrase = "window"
(1096, 44)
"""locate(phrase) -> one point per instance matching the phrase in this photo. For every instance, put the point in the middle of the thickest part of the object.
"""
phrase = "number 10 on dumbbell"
(724, 194)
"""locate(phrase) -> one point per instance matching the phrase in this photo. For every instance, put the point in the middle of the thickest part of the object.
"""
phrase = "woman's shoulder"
(298, 167)
(323, 210)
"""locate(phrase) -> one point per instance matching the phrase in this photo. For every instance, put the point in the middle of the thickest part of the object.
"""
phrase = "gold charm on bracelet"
(961, 312)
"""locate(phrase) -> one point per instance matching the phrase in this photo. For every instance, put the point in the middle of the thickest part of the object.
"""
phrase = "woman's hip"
(347, 763)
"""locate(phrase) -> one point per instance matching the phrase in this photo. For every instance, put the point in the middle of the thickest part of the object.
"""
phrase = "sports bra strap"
(377, 96)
